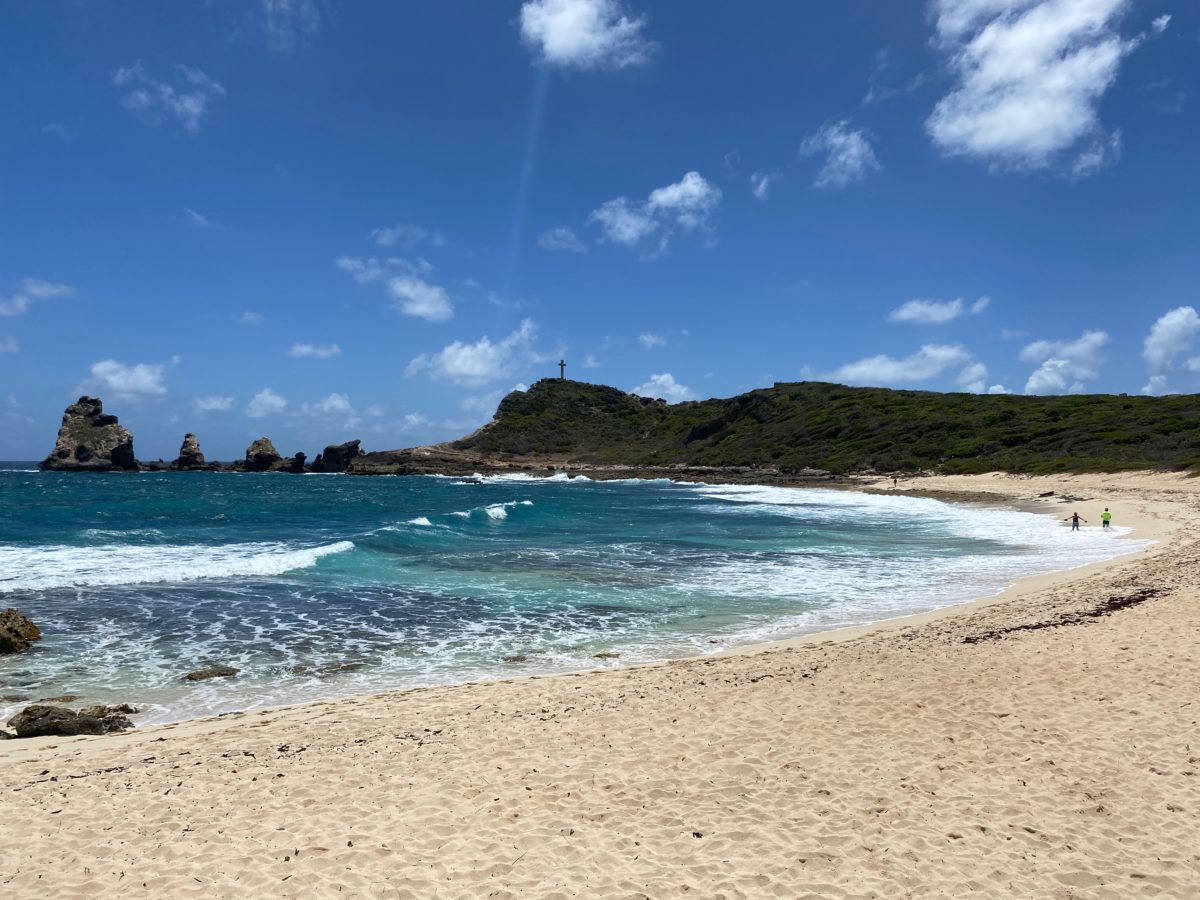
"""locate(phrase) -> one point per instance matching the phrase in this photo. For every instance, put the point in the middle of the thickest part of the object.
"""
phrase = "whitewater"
(325, 587)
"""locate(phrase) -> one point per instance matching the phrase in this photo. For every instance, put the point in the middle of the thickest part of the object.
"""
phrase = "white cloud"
(415, 297)
(650, 340)
(928, 362)
(213, 404)
(973, 378)
(286, 22)
(1065, 366)
(364, 270)
(32, 289)
(141, 379)
(1160, 24)
(197, 219)
(252, 318)
(664, 387)
(1171, 335)
(186, 102)
(936, 312)
(849, 156)
(1156, 386)
(622, 222)
(1100, 154)
(473, 365)
(265, 403)
(590, 362)
(407, 235)
(1030, 73)
(998, 389)
(561, 238)
(333, 405)
(315, 351)
(9, 344)
(687, 204)
(760, 184)
(584, 34)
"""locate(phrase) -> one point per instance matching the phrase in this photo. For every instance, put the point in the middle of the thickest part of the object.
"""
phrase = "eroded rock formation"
(337, 457)
(91, 441)
(38, 720)
(16, 631)
(261, 456)
(190, 456)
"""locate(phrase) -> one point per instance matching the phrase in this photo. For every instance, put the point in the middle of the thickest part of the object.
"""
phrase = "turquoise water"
(321, 586)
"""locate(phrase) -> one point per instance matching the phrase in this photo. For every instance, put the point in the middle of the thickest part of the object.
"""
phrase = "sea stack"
(190, 456)
(91, 441)
(261, 456)
(337, 457)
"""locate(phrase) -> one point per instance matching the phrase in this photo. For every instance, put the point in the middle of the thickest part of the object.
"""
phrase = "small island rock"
(190, 455)
(91, 441)
(261, 456)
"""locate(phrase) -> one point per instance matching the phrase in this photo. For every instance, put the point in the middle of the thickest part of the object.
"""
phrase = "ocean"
(322, 586)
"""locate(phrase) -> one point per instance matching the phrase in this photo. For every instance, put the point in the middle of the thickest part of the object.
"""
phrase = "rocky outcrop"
(261, 456)
(337, 457)
(190, 456)
(16, 631)
(295, 465)
(91, 441)
(204, 674)
(38, 721)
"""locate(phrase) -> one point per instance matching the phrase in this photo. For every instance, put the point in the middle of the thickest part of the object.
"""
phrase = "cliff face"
(91, 441)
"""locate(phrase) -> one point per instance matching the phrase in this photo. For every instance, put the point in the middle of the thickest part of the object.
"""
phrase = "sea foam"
(55, 566)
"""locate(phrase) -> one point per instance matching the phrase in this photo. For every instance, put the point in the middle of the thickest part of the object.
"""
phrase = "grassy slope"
(847, 429)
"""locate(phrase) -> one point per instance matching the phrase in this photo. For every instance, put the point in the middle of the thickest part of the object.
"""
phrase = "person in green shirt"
(1106, 518)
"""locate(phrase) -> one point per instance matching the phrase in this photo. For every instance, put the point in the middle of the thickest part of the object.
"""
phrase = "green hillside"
(845, 429)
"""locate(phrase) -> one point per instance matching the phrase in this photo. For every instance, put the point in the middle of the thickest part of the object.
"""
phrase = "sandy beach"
(1040, 744)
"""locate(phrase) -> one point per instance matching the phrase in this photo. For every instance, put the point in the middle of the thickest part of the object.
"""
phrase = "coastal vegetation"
(794, 426)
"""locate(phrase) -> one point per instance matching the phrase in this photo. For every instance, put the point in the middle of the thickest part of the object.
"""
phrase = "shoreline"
(878, 486)
(1029, 744)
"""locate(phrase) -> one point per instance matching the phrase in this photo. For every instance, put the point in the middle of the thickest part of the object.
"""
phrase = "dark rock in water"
(325, 669)
(606, 654)
(190, 456)
(211, 672)
(91, 441)
(337, 457)
(36, 721)
(14, 698)
(516, 658)
(16, 631)
(295, 465)
(64, 698)
(261, 456)
(100, 710)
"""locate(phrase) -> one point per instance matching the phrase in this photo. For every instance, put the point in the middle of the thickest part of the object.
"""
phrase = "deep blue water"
(321, 586)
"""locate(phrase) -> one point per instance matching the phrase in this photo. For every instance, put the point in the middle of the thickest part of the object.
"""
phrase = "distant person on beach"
(1074, 519)
(1105, 518)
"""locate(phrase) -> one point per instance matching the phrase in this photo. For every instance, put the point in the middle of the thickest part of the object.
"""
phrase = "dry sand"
(946, 755)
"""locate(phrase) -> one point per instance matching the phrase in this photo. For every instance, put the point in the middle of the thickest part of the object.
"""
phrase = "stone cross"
(562, 370)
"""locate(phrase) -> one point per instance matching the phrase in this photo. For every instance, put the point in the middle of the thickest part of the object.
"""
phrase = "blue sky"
(317, 220)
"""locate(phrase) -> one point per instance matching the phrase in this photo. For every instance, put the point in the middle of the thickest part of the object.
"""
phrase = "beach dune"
(1045, 743)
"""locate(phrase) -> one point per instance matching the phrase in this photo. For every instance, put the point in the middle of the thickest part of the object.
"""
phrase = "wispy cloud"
(585, 34)
(886, 371)
(562, 239)
(252, 318)
(197, 219)
(650, 340)
(9, 344)
(60, 131)
(937, 312)
(212, 404)
(760, 184)
(415, 297)
(285, 23)
(407, 235)
(849, 156)
(315, 351)
(30, 290)
(185, 102)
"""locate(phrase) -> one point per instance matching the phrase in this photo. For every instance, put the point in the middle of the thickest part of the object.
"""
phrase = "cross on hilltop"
(562, 370)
